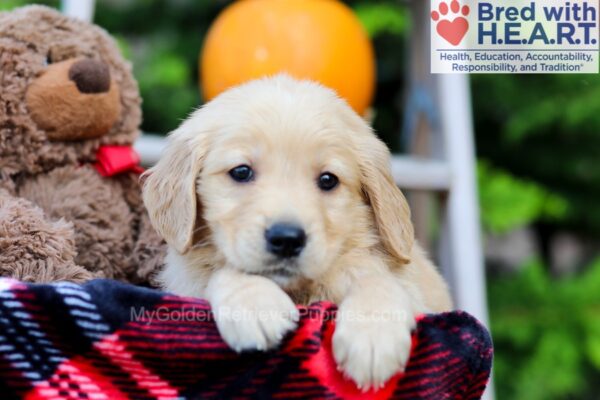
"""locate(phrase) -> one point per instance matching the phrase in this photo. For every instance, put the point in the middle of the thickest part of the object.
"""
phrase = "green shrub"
(546, 334)
(508, 202)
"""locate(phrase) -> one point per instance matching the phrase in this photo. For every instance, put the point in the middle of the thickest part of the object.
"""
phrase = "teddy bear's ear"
(169, 188)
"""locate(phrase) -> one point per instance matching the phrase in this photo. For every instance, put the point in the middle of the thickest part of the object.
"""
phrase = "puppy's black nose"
(285, 240)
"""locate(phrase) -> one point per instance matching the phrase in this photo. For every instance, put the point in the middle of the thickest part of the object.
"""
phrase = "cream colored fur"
(360, 250)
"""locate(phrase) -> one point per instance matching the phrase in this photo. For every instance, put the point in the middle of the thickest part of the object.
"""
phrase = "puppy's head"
(281, 178)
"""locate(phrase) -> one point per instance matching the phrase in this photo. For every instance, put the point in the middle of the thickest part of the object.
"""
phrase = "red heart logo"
(453, 31)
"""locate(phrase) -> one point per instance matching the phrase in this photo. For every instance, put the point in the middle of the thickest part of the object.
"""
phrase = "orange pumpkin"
(316, 39)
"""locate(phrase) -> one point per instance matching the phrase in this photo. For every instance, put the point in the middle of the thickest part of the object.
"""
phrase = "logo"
(515, 37)
(451, 26)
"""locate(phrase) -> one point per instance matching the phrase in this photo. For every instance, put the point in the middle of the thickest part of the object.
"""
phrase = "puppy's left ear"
(169, 188)
(390, 208)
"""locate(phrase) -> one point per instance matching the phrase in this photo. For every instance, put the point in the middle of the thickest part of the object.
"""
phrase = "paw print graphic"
(453, 30)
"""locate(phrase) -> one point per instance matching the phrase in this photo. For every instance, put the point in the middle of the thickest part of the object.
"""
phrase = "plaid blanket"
(108, 340)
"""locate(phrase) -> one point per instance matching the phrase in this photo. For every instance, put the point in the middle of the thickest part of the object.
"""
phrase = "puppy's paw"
(255, 318)
(370, 348)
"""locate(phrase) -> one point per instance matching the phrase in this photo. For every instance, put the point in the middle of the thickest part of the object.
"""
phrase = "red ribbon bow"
(113, 160)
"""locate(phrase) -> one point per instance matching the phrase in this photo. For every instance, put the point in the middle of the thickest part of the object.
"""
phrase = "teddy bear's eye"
(48, 59)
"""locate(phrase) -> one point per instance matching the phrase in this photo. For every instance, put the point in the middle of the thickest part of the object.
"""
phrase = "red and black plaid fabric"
(108, 340)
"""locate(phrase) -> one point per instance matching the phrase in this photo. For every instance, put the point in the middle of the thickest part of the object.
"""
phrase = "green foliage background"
(546, 334)
(538, 141)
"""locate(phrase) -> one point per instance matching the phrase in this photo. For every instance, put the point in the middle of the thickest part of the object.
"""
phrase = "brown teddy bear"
(70, 204)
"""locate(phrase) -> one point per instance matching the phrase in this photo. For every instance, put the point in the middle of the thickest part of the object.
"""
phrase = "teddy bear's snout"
(90, 76)
(75, 99)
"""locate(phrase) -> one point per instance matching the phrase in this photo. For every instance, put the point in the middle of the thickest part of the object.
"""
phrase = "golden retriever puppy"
(277, 193)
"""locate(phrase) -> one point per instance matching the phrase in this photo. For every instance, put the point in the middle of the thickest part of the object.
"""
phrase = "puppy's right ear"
(169, 188)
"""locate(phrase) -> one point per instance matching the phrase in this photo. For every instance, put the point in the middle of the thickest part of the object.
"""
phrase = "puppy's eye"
(327, 181)
(241, 173)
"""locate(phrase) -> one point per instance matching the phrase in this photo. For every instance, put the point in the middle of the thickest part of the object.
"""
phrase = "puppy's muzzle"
(285, 240)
